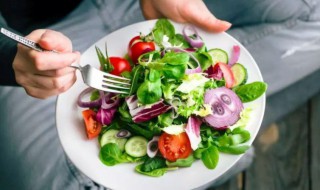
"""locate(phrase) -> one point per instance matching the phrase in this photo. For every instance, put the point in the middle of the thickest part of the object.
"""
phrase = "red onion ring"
(90, 104)
(194, 42)
(153, 147)
(226, 107)
(109, 100)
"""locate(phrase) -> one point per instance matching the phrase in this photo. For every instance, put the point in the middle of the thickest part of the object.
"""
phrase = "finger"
(51, 40)
(205, 19)
(51, 61)
(45, 82)
(56, 73)
(52, 82)
(42, 93)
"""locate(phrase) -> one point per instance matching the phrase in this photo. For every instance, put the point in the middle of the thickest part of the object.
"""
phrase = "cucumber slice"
(136, 146)
(218, 55)
(240, 74)
(110, 137)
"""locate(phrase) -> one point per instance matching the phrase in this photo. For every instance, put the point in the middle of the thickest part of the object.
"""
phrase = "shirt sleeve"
(8, 50)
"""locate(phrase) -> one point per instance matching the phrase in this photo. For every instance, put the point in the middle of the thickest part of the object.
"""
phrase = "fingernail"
(226, 23)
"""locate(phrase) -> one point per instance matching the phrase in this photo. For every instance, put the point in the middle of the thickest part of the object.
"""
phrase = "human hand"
(190, 11)
(45, 74)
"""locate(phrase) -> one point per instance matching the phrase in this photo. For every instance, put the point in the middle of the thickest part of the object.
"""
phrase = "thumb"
(197, 13)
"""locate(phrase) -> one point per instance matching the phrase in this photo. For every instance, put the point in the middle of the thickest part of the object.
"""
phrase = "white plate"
(84, 153)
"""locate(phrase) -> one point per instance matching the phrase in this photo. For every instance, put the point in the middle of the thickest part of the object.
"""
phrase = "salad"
(186, 103)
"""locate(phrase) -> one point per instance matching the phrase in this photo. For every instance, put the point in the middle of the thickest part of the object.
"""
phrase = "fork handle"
(22, 40)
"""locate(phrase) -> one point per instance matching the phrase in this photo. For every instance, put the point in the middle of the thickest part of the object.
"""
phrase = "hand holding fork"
(44, 73)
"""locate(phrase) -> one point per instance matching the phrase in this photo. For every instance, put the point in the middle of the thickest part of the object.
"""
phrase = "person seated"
(282, 36)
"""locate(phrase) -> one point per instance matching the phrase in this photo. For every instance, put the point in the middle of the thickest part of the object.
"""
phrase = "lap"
(30, 148)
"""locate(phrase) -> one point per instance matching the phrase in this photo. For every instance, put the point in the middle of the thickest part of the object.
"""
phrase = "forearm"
(8, 49)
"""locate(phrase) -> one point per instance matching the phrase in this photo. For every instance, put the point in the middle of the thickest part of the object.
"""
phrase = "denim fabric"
(281, 35)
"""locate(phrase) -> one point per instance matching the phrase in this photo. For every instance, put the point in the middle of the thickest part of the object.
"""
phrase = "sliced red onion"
(109, 100)
(145, 112)
(226, 107)
(193, 71)
(152, 147)
(147, 115)
(195, 42)
(123, 133)
(193, 131)
(90, 104)
(105, 116)
(234, 55)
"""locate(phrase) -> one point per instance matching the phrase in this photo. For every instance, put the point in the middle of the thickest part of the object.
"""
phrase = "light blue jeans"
(282, 35)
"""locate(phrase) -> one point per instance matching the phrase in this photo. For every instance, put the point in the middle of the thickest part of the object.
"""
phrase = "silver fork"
(91, 76)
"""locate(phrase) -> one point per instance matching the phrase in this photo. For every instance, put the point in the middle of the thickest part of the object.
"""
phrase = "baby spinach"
(154, 167)
(165, 119)
(153, 163)
(138, 130)
(150, 90)
(154, 173)
(178, 40)
(251, 91)
(185, 162)
(230, 141)
(110, 154)
(204, 59)
(174, 71)
(210, 157)
(235, 137)
(174, 58)
(163, 27)
(234, 149)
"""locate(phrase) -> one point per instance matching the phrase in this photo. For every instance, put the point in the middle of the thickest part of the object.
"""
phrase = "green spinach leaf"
(240, 149)
(163, 27)
(110, 154)
(153, 163)
(251, 91)
(210, 157)
(150, 90)
(185, 162)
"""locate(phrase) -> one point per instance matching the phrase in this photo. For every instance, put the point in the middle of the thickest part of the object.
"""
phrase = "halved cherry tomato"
(93, 127)
(227, 73)
(119, 65)
(173, 147)
(138, 47)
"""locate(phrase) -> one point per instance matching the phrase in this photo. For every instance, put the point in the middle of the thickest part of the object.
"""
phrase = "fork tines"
(116, 84)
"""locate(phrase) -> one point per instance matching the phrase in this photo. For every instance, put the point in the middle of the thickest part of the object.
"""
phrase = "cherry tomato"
(93, 127)
(138, 47)
(173, 147)
(227, 74)
(119, 65)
